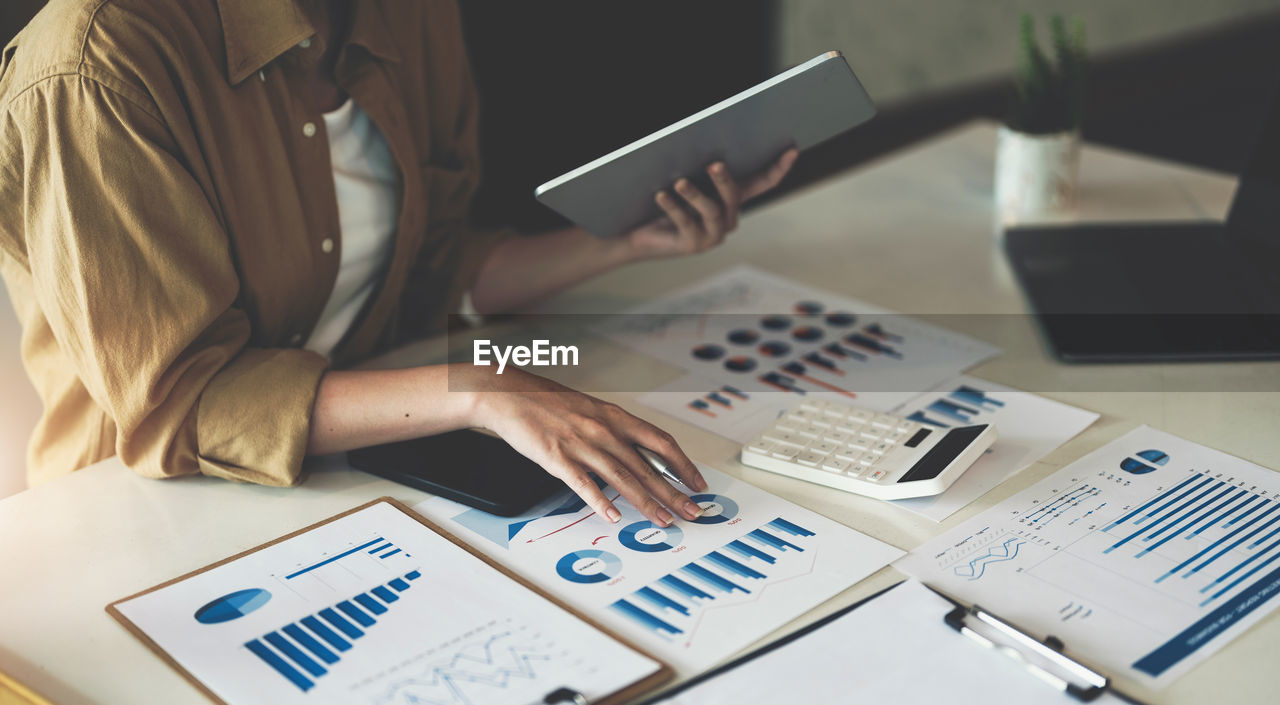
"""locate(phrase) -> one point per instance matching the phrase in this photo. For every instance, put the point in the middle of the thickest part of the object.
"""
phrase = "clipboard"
(1044, 659)
(560, 695)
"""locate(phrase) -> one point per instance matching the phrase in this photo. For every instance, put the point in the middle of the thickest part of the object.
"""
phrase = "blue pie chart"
(589, 566)
(1135, 466)
(232, 606)
(643, 536)
(719, 508)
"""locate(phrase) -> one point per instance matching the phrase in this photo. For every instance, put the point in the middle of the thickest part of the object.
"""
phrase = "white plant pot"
(1035, 175)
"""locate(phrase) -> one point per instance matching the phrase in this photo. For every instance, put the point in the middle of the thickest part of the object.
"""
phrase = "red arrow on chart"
(539, 538)
(598, 539)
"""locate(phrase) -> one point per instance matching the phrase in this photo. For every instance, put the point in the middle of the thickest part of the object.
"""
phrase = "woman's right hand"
(570, 434)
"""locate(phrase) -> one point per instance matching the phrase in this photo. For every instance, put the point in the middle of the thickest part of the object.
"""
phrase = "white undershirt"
(364, 179)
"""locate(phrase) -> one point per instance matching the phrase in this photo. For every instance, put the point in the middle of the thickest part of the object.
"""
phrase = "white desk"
(911, 232)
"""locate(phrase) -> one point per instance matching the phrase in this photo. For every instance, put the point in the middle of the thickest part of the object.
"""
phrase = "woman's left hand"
(694, 221)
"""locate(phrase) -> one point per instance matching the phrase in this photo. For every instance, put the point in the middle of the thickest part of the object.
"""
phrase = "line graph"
(975, 568)
(475, 667)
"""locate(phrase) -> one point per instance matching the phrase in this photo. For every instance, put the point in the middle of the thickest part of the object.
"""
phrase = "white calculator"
(860, 451)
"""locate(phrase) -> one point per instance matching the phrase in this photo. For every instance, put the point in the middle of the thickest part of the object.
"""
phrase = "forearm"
(523, 270)
(361, 408)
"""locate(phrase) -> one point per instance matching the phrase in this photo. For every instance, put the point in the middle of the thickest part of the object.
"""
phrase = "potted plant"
(1038, 149)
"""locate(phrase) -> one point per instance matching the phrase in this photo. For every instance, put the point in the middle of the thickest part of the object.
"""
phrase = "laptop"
(1171, 291)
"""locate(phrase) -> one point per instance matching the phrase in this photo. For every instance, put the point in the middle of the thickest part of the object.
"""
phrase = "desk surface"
(921, 215)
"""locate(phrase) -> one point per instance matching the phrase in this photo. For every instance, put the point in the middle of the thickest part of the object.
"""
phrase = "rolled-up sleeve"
(134, 272)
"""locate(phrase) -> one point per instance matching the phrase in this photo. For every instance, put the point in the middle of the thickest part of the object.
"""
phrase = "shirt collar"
(257, 32)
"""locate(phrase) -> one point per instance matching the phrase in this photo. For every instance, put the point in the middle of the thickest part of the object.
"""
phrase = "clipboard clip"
(565, 695)
(1043, 659)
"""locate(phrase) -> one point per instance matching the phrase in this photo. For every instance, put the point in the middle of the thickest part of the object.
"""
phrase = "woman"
(208, 208)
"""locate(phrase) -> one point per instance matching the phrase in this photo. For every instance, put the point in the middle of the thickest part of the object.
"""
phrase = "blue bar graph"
(1243, 564)
(309, 642)
(327, 634)
(1238, 541)
(412, 575)
(1135, 512)
(747, 551)
(327, 561)
(661, 601)
(1208, 549)
(1217, 510)
(390, 553)
(733, 566)
(685, 588)
(658, 626)
(337, 620)
(722, 584)
(355, 613)
(1204, 481)
(273, 660)
(977, 397)
(366, 601)
(1248, 500)
(790, 528)
(295, 654)
(769, 539)
(672, 604)
(296, 650)
(1174, 512)
(380, 547)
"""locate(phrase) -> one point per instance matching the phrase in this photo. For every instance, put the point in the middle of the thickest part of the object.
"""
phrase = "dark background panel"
(564, 82)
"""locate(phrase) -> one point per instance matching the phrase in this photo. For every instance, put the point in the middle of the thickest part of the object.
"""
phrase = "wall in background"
(903, 48)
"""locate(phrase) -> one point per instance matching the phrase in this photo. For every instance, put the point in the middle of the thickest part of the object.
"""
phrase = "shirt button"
(295, 339)
(326, 246)
(305, 43)
(309, 129)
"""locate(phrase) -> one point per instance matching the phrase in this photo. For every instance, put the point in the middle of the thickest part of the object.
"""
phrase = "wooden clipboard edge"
(664, 673)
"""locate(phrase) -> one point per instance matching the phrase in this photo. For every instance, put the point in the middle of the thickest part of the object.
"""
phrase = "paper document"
(1029, 427)
(693, 593)
(1146, 555)
(894, 649)
(374, 608)
(758, 332)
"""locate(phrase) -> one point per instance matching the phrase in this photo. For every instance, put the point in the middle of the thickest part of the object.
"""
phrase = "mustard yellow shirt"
(169, 231)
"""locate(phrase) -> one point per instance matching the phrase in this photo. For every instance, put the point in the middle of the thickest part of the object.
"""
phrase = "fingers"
(582, 485)
(662, 443)
(771, 176)
(712, 214)
(627, 482)
(683, 221)
(730, 194)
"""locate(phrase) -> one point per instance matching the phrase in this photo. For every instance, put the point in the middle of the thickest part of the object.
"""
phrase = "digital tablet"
(803, 106)
(470, 467)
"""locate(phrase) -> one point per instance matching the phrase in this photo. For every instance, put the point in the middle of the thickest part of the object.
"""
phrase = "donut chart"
(708, 351)
(719, 508)
(743, 336)
(775, 322)
(774, 348)
(589, 566)
(643, 536)
(740, 363)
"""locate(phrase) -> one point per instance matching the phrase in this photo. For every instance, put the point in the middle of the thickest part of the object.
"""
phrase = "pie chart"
(1135, 464)
(717, 508)
(589, 566)
(740, 363)
(743, 336)
(775, 322)
(708, 351)
(841, 319)
(643, 536)
(809, 308)
(807, 334)
(774, 348)
(232, 606)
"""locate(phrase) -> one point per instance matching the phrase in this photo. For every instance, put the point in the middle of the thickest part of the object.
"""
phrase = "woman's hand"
(570, 434)
(694, 221)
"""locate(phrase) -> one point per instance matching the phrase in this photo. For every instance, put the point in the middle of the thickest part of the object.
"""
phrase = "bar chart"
(962, 406)
(1153, 546)
(672, 605)
(302, 651)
